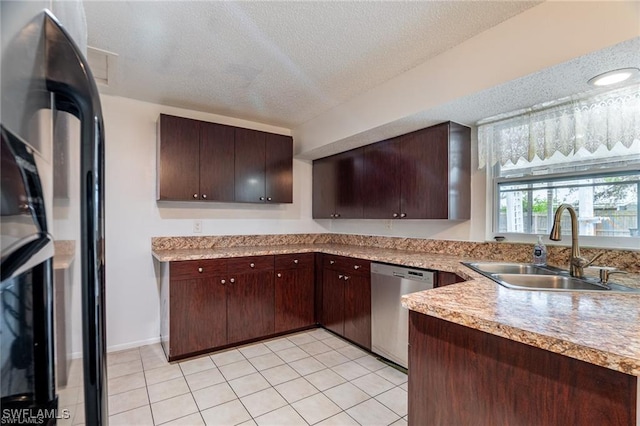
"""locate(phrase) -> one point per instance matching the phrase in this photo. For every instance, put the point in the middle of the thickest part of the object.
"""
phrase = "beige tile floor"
(307, 378)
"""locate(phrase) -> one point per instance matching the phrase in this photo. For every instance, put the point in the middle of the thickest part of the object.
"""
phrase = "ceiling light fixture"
(612, 77)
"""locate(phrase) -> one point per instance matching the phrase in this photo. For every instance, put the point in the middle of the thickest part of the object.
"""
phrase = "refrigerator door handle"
(68, 76)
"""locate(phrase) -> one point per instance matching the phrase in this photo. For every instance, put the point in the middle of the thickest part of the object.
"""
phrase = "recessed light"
(612, 77)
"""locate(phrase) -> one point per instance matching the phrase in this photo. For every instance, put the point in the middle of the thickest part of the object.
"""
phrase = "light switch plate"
(197, 226)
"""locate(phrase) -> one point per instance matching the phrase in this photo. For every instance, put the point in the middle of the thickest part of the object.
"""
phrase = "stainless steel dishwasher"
(389, 320)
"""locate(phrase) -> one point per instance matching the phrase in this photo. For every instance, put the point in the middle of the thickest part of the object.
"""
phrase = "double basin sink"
(527, 276)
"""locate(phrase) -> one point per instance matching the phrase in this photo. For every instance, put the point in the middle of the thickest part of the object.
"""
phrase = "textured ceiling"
(280, 63)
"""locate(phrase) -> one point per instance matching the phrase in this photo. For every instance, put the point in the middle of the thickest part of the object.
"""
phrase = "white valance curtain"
(567, 126)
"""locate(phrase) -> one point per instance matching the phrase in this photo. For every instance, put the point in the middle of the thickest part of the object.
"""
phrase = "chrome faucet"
(576, 262)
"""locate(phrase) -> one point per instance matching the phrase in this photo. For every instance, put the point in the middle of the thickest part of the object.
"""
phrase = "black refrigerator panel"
(27, 382)
(43, 74)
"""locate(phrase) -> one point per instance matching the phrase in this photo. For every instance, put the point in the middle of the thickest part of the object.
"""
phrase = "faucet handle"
(583, 263)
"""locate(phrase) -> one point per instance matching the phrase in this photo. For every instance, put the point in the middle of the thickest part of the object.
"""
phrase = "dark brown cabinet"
(447, 278)
(338, 186)
(425, 174)
(205, 161)
(195, 160)
(197, 307)
(213, 303)
(462, 376)
(346, 298)
(294, 291)
(421, 175)
(263, 167)
(250, 296)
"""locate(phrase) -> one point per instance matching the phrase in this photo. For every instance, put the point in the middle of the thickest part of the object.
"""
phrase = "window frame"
(493, 207)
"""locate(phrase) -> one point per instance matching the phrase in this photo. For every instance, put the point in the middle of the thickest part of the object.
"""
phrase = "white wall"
(542, 36)
(133, 216)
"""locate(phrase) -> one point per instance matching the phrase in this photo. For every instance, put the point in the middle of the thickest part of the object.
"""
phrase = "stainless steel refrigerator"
(44, 79)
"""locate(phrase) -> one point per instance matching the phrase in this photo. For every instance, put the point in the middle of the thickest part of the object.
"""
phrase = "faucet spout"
(576, 263)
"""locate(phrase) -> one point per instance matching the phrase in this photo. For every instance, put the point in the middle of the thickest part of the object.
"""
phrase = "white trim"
(132, 345)
(124, 346)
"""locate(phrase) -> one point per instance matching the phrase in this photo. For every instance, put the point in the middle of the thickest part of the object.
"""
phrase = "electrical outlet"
(197, 226)
(388, 224)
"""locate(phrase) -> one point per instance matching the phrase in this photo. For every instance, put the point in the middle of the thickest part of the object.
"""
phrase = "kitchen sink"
(546, 282)
(512, 268)
(527, 276)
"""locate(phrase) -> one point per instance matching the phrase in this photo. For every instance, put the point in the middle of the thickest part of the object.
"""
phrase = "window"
(584, 152)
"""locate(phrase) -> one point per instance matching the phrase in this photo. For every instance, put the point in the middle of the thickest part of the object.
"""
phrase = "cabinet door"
(333, 301)
(294, 292)
(250, 306)
(217, 154)
(324, 188)
(426, 155)
(178, 158)
(382, 180)
(349, 172)
(357, 309)
(423, 177)
(249, 166)
(278, 168)
(198, 315)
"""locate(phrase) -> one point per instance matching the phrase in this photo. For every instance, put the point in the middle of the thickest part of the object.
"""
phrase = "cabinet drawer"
(294, 261)
(347, 264)
(241, 265)
(194, 269)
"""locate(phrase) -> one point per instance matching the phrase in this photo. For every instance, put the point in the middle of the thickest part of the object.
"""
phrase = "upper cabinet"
(338, 186)
(263, 167)
(421, 175)
(205, 161)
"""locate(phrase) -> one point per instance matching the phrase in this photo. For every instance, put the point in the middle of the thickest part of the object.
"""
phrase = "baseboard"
(122, 347)
(131, 345)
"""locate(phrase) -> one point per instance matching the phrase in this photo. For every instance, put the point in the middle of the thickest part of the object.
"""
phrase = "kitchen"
(134, 217)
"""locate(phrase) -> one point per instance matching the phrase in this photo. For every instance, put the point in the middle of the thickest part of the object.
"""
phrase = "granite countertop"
(602, 329)
(64, 253)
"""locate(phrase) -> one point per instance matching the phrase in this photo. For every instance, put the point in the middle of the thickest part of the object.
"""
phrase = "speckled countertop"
(64, 253)
(602, 329)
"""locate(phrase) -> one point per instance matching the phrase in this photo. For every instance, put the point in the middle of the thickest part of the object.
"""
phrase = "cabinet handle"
(331, 262)
(232, 280)
(200, 270)
(337, 214)
(204, 196)
(195, 195)
(340, 277)
(356, 267)
(403, 215)
(261, 198)
(253, 265)
(395, 215)
(346, 277)
(268, 198)
(333, 215)
(279, 275)
(295, 261)
(223, 282)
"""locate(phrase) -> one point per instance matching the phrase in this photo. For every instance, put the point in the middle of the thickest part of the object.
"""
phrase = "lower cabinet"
(346, 298)
(218, 302)
(250, 296)
(294, 291)
(463, 376)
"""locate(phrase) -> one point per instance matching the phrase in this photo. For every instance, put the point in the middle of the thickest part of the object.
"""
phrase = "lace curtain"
(602, 120)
